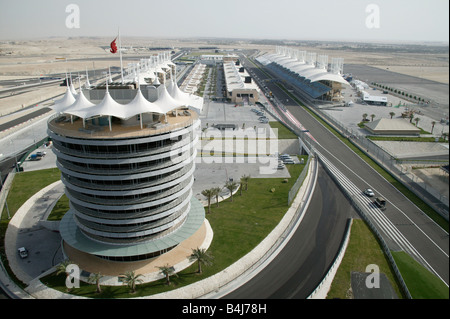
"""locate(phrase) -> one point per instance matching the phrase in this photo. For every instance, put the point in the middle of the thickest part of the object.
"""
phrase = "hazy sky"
(391, 20)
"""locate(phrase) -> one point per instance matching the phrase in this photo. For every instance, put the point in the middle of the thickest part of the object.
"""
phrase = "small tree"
(391, 114)
(167, 271)
(365, 115)
(62, 267)
(231, 186)
(95, 279)
(131, 279)
(372, 116)
(208, 193)
(417, 119)
(216, 192)
(433, 123)
(202, 257)
(245, 179)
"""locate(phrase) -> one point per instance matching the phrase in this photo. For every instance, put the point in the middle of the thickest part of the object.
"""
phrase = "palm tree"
(417, 119)
(433, 123)
(95, 278)
(216, 192)
(245, 179)
(62, 267)
(231, 186)
(208, 193)
(202, 257)
(365, 115)
(372, 116)
(131, 279)
(391, 114)
(167, 271)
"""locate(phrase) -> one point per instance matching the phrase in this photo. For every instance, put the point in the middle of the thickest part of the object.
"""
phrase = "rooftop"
(62, 125)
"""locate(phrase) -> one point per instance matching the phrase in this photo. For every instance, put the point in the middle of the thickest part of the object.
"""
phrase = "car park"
(369, 192)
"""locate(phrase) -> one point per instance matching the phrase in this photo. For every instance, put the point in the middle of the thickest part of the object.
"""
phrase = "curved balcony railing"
(125, 200)
(94, 185)
(112, 216)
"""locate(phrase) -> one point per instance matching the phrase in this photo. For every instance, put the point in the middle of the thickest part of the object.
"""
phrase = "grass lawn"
(362, 250)
(283, 132)
(238, 225)
(25, 185)
(421, 283)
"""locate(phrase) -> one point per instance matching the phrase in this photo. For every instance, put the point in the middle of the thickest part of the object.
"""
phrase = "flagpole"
(120, 54)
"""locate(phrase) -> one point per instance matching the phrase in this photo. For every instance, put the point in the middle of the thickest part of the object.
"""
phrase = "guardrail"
(384, 246)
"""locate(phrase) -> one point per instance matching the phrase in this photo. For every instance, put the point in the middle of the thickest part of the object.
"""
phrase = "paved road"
(430, 241)
(304, 261)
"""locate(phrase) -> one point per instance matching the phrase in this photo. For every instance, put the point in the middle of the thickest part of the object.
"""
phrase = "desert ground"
(41, 57)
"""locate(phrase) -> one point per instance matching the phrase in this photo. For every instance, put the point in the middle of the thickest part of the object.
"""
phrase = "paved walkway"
(37, 290)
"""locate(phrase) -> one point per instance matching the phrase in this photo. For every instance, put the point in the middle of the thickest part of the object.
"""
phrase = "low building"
(240, 87)
(392, 127)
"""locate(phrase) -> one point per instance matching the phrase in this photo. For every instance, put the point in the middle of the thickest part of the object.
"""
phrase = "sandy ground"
(21, 59)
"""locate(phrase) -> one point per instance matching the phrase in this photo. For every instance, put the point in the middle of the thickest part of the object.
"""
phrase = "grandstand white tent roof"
(306, 70)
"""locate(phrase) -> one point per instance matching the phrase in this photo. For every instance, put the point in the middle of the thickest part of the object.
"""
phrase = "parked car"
(41, 154)
(369, 192)
(23, 252)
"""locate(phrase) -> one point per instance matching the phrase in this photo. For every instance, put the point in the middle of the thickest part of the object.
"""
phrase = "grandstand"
(306, 72)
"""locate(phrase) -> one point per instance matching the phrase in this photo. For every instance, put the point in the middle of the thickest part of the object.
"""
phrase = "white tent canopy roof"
(80, 106)
(66, 101)
(169, 98)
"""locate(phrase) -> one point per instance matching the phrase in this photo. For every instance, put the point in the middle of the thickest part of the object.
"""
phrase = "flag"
(113, 46)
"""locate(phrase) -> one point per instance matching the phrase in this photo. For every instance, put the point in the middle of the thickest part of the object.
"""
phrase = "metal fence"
(361, 210)
(437, 200)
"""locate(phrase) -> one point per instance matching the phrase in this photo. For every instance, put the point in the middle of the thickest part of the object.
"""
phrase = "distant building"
(240, 87)
(307, 73)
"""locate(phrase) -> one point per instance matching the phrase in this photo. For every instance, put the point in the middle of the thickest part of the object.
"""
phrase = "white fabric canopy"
(80, 107)
(66, 101)
(187, 99)
(141, 105)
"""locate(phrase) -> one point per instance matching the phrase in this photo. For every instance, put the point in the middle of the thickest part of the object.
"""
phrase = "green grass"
(391, 179)
(60, 209)
(363, 249)
(238, 225)
(25, 185)
(283, 131)
(421, 283)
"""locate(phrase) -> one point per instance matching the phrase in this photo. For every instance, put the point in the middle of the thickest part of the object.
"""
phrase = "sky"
(330, 20)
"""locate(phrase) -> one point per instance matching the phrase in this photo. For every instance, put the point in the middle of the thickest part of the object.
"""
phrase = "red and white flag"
(113, 46)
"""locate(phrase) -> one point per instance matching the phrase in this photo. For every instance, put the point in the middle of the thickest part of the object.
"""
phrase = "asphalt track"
(300, 266)
(430, 240)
